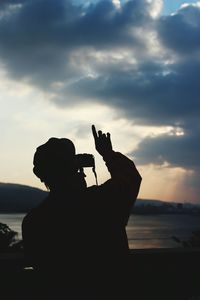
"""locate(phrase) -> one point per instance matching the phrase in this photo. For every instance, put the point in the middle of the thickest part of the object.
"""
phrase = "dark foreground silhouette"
(79, 232)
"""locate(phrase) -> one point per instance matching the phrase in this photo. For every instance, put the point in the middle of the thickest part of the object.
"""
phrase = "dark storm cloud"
(148, 95)
(171, 150)
(175, 150)
(181, 31)
(37, 37)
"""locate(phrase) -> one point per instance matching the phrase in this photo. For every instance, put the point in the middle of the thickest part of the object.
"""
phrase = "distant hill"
(144, 202)
(17, 198)
(146, 206)
(152, 202)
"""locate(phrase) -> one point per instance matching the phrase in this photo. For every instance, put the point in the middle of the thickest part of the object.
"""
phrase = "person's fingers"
(100, 133)
(94, 132)
(109, 139)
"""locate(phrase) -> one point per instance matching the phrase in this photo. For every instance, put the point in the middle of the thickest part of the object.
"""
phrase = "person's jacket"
(83, 229)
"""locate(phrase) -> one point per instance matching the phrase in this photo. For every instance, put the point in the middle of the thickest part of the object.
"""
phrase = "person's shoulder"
(99, 188)
(122, 157)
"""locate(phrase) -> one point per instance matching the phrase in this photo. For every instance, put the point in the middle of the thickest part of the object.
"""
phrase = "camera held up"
(86, 160)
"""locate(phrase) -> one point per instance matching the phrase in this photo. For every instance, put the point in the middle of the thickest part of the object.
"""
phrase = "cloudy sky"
(130, 67)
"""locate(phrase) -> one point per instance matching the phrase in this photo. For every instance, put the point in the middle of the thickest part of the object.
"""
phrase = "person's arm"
(123, 174)
(30, 239)
(125, 178)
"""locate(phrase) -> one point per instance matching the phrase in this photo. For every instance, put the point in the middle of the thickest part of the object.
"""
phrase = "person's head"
(55, 163)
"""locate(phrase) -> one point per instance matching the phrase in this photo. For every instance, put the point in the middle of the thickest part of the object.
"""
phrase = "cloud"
(175, 149)
(177, 97)
(39, 37)
(120, 56)
(148, 95)
(181, 31)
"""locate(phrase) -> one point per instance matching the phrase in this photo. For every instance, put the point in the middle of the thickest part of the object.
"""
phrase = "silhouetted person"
(76, 238)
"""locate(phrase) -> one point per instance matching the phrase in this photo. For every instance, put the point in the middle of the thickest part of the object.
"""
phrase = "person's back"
(77, 235)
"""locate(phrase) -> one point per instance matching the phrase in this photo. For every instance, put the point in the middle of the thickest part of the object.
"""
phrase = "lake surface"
(156, 231)
(144, 231)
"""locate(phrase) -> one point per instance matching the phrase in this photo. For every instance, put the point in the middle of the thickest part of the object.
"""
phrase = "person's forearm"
(119, 164)
(124, 174)
(123, 171)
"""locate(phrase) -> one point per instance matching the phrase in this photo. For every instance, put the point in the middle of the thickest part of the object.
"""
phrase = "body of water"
(156, 231)
(144, 231)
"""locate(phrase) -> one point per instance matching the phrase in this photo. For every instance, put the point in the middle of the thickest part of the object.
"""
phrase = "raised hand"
(102, 142)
